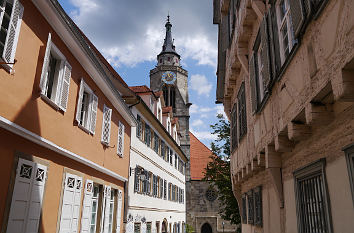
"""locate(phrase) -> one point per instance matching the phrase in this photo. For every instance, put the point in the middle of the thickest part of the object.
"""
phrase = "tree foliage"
(218, 173)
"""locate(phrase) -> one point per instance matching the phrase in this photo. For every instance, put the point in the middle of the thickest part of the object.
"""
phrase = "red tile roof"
(140, 89)
(200, 157)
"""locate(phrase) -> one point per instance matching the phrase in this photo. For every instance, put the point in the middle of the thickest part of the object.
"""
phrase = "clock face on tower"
(169, 77)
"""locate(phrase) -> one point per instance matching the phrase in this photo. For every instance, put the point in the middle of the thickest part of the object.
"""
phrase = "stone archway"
(206, 228)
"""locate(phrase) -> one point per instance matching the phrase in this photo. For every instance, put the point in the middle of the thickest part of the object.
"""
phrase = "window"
(257, 193)
(312, 198)
(165, 189)
(147, 138)
(94, 209)
(55, 78)
(171, 157)
(86, 111)
(137, 180)
(169, 191)
(350, 163)
(30, 176)
(176, 161)
(106, 125)
(259, 66)
(234, 140)
(156, 143)
(155, 186)
(286, 35)
(250, 206)
(139, 127)
(111, 203)
(231, 19)
(11, 12)
(157, 227)
(244, 209)
(169, 94)
(168, 151)
(148, 227)
(137, 227)
(242, 117)
(163, 150)
(161, 188)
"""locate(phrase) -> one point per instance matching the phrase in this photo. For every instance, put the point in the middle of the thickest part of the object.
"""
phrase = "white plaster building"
(156, 188)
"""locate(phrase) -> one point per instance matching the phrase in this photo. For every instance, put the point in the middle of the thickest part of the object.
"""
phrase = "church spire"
(168, 46)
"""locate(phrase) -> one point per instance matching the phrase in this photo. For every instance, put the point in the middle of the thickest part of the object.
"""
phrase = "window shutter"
(107, 209)
(244, 209)
(79, 100)
(87, 207)
(265, 55)
(136, 181)
(106, 125)
(28, 193)
(253, 86)
(94, 103)
(258, 206)
(120, 146)
(119, 210)
(297, 15)
(169, 191)
(13, 32)
(250, 207)
(65, 86)
(272, 22)
(165, 189)
(44, 75)
(71, 203)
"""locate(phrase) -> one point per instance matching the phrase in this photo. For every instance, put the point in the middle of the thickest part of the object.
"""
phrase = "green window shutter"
(252, 75)
(265, 55)
(297, 15)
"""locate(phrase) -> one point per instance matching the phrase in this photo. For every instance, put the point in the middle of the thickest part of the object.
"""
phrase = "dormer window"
(168, 58)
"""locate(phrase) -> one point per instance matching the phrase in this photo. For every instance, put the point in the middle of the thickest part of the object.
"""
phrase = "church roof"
(199, 157)
(168, 46)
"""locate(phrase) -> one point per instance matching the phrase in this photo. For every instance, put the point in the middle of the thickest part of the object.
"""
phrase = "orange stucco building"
(64, 128)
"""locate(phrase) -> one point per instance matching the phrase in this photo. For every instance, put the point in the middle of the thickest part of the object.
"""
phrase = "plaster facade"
(305, 117)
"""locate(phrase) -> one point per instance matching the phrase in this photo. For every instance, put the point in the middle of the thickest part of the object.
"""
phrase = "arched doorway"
(206, 228)
(164, 226)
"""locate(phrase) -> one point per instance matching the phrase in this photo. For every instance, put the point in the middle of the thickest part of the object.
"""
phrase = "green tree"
(218, 173)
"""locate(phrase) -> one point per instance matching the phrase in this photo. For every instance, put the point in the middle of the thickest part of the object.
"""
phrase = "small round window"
(211, 194)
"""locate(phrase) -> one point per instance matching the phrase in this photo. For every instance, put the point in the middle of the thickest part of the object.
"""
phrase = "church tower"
(169, 76)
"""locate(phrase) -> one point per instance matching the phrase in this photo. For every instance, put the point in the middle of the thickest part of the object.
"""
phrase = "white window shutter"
(13, 32)
(71, 203)
(119, 210)
(94, 103)
(79, 100)
(65, 84)
(120, 144)
(106, 125)
(87, 207)
(27, 197)
(44, 75)
(107, 210)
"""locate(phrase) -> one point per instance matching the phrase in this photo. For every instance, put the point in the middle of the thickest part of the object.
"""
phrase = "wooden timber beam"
(283, 144)
(272, 158)
(318, 114)
(298, 131)
(258, 8)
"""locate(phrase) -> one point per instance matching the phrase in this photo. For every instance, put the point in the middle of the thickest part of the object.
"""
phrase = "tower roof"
(168, 46)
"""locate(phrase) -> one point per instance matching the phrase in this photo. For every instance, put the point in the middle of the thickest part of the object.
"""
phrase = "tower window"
(168, 59)
(160, 60)
(169, 94)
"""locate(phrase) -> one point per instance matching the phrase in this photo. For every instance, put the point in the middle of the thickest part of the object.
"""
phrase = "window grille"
(350, 163)
(242, 117)
(311, 199)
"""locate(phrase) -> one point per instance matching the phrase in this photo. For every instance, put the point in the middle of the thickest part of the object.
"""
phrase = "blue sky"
(130, 34)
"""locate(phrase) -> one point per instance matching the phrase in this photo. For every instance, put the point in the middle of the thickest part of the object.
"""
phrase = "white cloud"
(220, 110)
(197, 122)
(131, 32)
(200, 84)
(203, 135)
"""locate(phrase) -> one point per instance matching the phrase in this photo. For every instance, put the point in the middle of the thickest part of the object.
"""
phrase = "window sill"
(84, 129)
(50, 102)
